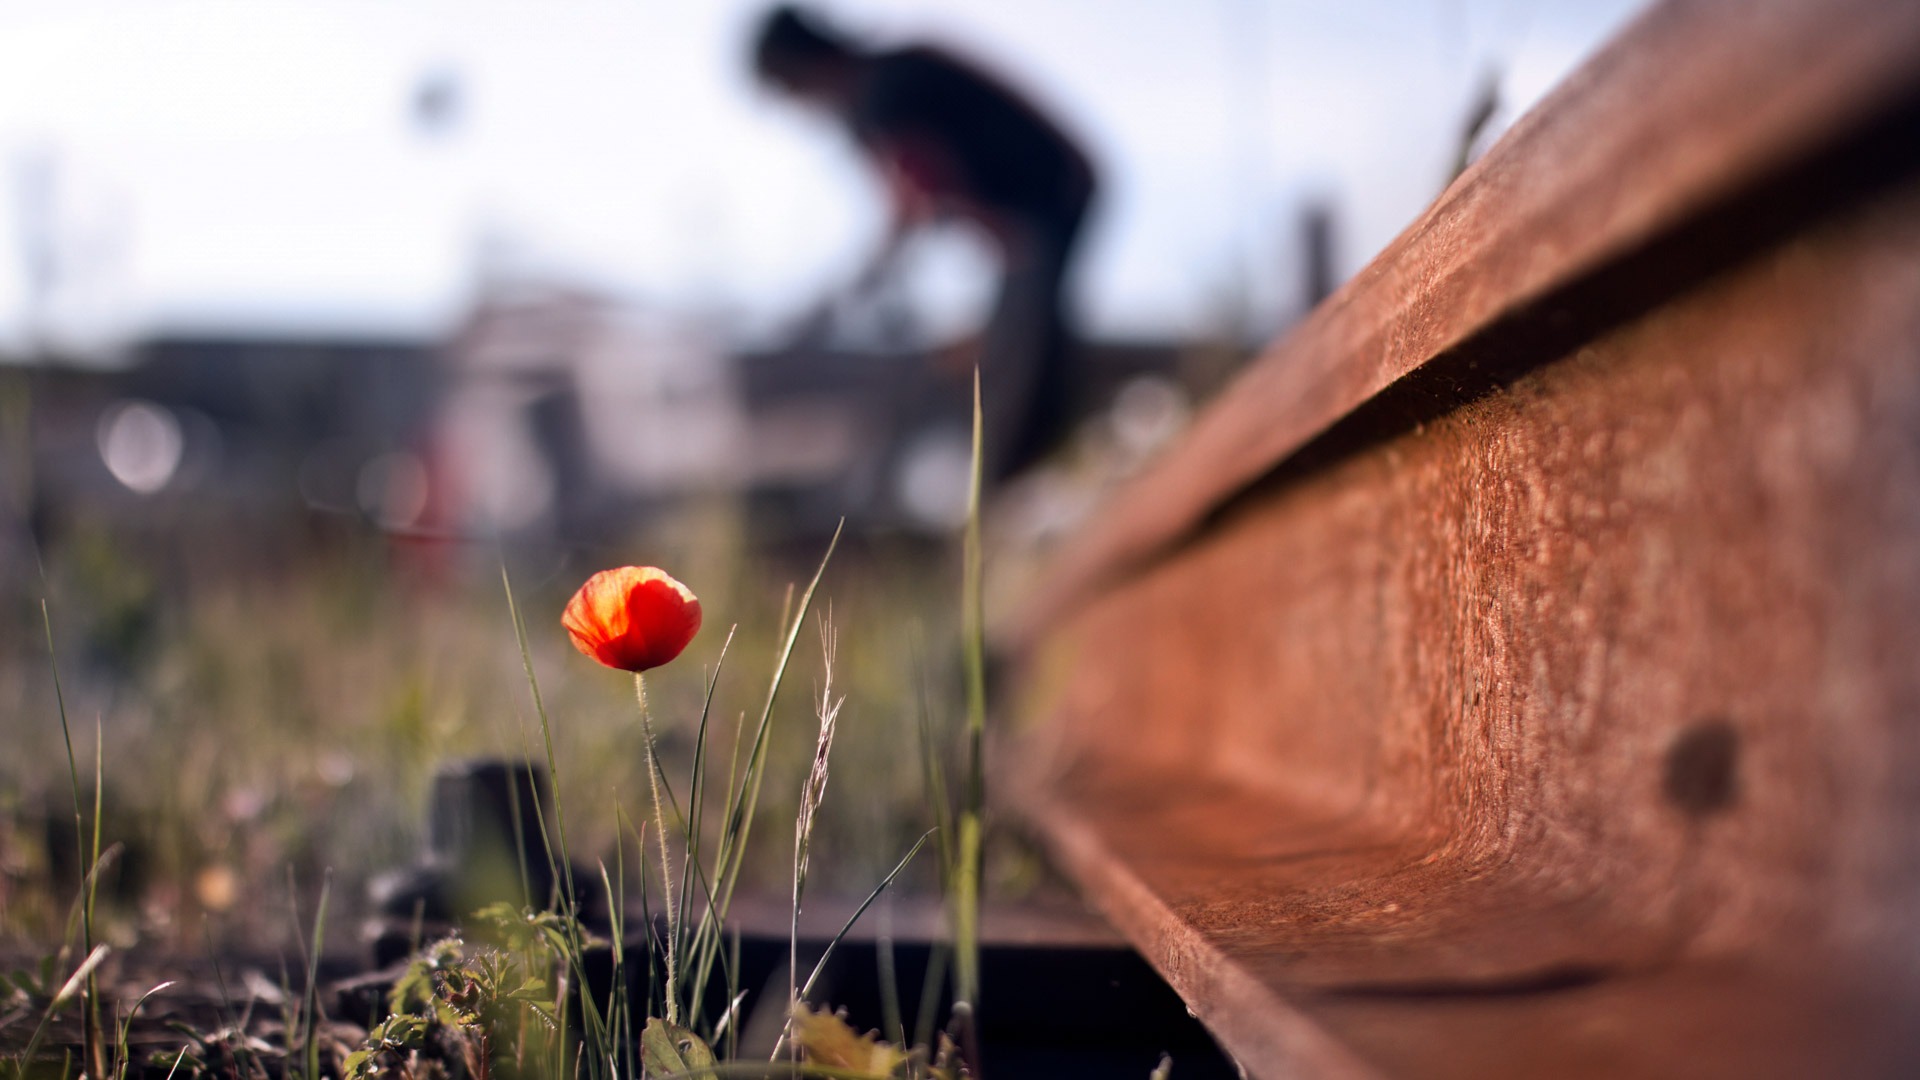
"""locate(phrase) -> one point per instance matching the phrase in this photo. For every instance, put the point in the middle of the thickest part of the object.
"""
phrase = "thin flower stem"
(666, 866)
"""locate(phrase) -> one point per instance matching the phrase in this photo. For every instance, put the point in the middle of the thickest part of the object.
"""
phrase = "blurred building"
(187, 429)
(550, 414)
(574, 413)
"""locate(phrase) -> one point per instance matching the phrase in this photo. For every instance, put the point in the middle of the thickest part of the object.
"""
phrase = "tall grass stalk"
(74, 985)
(680, 939)
(696, 806)
(820, 965)
(934, 774)
(619, 1009)
(122, 1050)
(811, 794)
(677, 930)
(891, 1026)
(969, 865)
(514, 813)
(558, 859)
(740, 818)
(95, 1043)
(733, 1010)
(939, 956)
(309, 1018)
(565, 976)
(624, 827)
(932, 763)
(744, 790)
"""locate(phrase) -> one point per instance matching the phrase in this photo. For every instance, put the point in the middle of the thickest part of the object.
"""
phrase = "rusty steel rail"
(1517, 671)
(1695, 105)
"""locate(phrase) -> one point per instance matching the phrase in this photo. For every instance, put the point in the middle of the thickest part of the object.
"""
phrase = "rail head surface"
(1511, 674)
(1693, 104)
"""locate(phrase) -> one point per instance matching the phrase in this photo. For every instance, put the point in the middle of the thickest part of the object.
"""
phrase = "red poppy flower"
(632, 618)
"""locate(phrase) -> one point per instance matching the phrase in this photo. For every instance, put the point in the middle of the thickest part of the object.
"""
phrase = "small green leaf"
(535, 990)
(671, 1050)
(405, 1029)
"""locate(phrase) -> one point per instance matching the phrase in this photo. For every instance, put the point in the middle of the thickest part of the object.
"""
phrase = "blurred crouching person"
(953, 142)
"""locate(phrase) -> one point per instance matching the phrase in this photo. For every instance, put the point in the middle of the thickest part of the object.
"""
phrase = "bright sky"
(255, 164)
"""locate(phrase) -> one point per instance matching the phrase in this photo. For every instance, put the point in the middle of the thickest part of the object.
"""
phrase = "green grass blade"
(709, 944)
(557, 845)
(312, 1029)
(519, 834)
(890, 1018)
(639, 834)
(96, 1038)
(935, 774)
(696, 801)
(74, 985)
(556, 851)
(966, 891)
(938, 959)
(178, 1058)
(739, 823)
(821, 964)
(616, 990)
(126, 1027)
(812, 791)
(90, 1006)
(735, 995)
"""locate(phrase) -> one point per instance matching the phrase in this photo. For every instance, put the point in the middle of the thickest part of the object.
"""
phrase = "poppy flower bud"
(632, 618)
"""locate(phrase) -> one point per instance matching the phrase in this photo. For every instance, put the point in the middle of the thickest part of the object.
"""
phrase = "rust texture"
(1693, 104)
(1556, 711)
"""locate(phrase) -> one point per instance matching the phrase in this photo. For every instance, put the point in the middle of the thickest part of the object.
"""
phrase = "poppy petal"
(633, 618)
